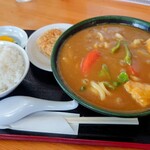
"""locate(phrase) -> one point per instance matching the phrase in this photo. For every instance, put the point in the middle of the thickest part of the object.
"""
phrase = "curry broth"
(75, 49)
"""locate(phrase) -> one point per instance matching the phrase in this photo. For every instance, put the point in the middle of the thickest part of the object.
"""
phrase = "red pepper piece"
(89, 60)
(133, 71)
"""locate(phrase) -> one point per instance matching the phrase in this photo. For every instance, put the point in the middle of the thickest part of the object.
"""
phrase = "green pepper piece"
(128, 57)
(116, 47)
(105, 71)
(116, 83)
(109, 85)
(123, 77)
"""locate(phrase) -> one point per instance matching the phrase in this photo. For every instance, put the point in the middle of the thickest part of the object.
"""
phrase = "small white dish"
(10, 84)
(18, 34)
(36, 57)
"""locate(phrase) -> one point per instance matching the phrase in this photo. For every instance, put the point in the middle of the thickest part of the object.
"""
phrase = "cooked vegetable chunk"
(148, 45)
(139, 92)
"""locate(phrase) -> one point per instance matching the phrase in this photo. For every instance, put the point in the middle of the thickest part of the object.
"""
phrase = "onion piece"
(104, 88)
(100, 88)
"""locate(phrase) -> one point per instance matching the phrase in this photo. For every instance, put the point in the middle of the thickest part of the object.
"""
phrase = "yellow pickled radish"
(6, 38)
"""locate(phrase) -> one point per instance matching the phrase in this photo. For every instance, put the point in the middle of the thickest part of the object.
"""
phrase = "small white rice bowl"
(14, 65)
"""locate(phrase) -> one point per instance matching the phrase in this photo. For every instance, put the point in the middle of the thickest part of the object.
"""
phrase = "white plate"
(18, 34)
(36, 57)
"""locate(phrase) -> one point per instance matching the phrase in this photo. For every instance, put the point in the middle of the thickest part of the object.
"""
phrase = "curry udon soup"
(108, 66)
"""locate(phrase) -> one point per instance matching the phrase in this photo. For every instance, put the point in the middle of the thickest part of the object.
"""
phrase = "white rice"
(11, 67)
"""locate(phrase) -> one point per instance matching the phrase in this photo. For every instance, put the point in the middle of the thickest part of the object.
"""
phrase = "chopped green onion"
(116, 47)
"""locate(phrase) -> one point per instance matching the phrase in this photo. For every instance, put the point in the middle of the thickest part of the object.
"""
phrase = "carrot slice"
(89, 60)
